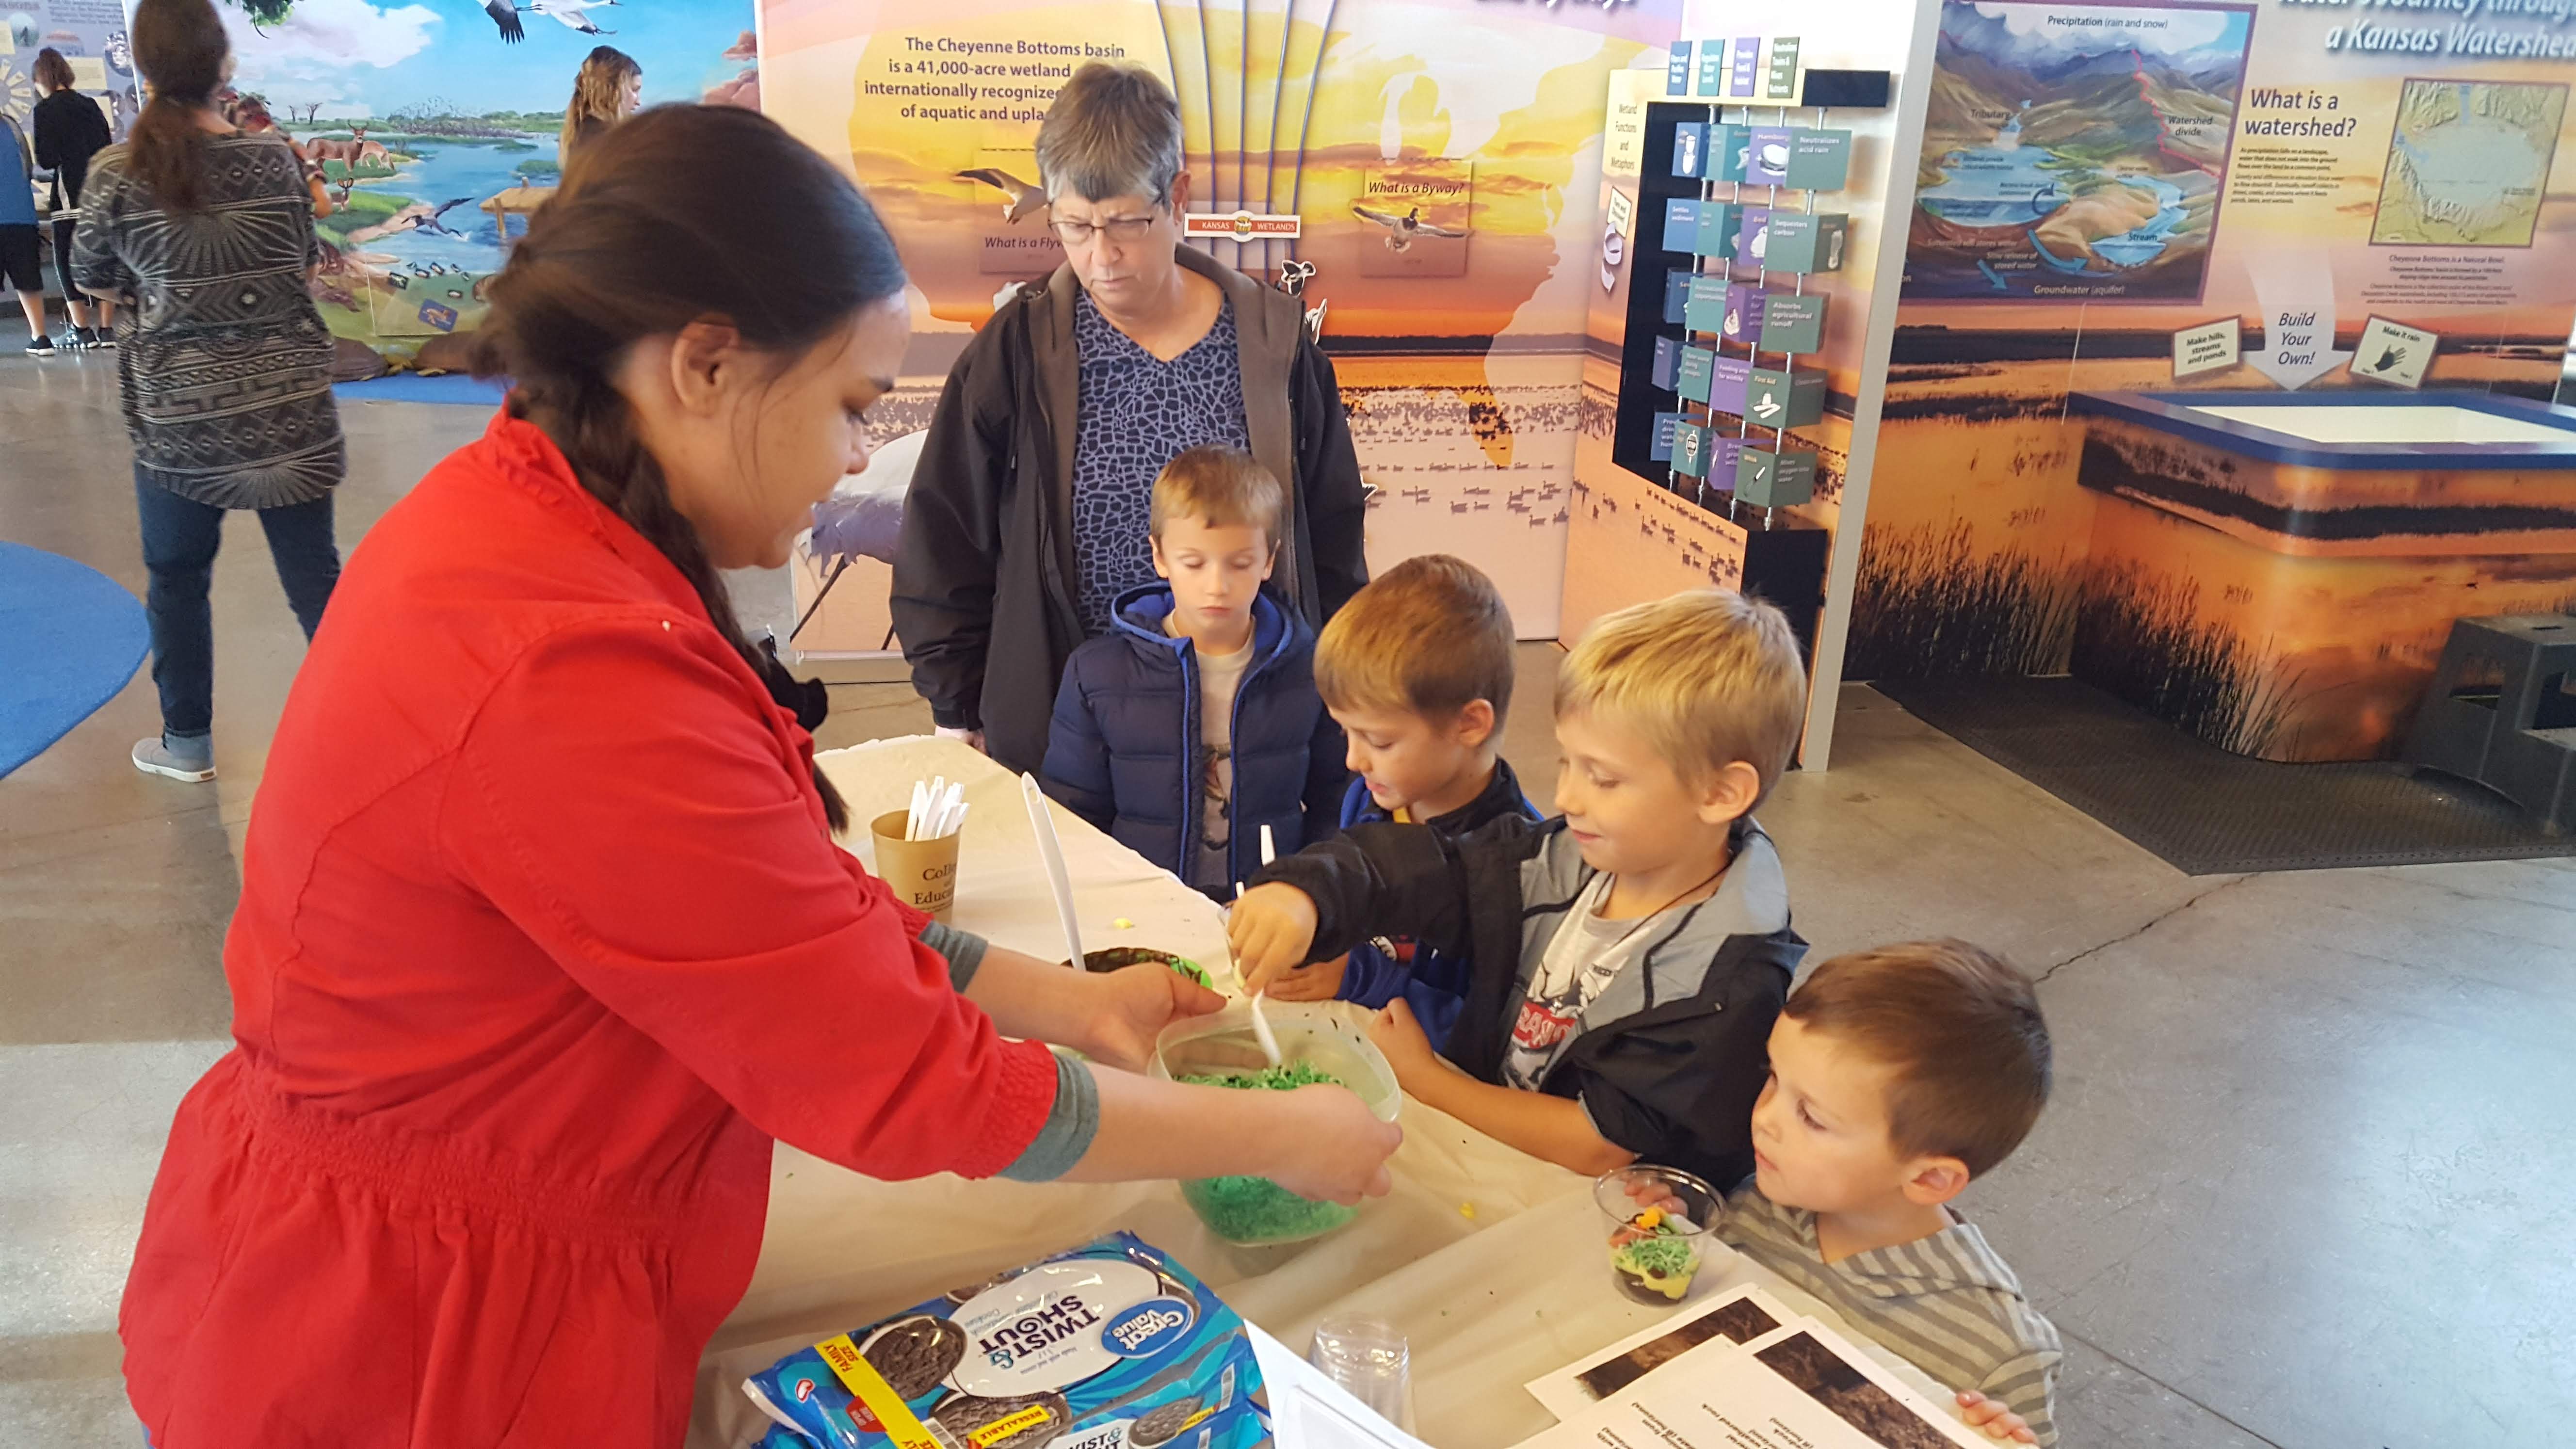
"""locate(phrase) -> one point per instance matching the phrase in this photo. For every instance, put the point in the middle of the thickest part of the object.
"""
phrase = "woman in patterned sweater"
(207, 232)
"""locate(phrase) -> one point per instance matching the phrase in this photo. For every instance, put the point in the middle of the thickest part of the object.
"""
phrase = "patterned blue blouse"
(1137, 413)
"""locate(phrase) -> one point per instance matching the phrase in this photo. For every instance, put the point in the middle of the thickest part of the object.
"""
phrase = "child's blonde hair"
(1225, 487)
(1709, 676)
(1429, 636)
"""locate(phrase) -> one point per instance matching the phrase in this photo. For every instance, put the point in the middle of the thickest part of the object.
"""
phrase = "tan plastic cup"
(922, 872)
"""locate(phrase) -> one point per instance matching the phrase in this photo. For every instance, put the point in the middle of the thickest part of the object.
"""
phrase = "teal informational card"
(1784, 397)
(1691, 375)
(1768, 479)
(1803, 241)
(1819, 160)
(1706, 310)
(1792, 323)
(1717, 227)
(1690, 449)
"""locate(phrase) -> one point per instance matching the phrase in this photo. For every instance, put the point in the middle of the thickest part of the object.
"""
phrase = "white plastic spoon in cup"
(1051, 851)
(1261, 1031)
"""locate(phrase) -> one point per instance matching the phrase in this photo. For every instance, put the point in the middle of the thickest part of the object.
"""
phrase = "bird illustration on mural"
(575, 13)
(419, 216)
(1401, 230)
(1026, 199)
(506, 15)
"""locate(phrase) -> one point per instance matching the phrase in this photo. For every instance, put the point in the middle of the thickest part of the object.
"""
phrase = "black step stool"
(2502, 712)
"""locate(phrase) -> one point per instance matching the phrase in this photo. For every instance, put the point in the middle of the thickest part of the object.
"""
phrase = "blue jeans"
(180, 537)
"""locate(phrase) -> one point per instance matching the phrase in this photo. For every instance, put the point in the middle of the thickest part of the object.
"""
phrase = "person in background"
(22, 263)
(1027, 517)
(1626, 960)
(70, 129)
(1212, 659)
(250, 115)
(1898, 1076)
(544, 938)
(1417, 670)
(606, 90)
(207, 232)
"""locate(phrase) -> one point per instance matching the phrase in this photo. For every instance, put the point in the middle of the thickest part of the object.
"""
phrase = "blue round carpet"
(69, 639)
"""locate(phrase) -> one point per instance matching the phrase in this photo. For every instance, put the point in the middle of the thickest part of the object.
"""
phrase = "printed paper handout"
(1738, 1315)
(1799, 1386)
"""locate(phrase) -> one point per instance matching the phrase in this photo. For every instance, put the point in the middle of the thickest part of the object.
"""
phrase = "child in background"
(1898, 1076)
(1195, 722)
(1625, 961)
(1417, 670)
(21, 256)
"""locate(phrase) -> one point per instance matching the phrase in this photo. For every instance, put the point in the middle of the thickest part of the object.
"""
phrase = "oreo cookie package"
(1111, 1346)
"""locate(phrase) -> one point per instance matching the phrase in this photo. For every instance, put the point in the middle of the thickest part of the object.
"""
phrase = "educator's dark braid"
(680, 215)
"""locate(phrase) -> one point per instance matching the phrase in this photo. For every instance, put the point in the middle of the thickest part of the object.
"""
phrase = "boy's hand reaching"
(1407, 1049)
(1269, 929)
(1319, 982)
(1994, 1420)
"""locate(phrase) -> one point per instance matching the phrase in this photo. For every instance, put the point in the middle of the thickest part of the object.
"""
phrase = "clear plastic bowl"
(1654, 1261)
(1254, 1210)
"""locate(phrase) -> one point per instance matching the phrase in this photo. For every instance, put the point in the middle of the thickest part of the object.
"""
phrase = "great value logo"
(1147, 1329)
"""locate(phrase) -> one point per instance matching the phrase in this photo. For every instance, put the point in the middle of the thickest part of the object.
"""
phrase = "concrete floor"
(2297, 1187)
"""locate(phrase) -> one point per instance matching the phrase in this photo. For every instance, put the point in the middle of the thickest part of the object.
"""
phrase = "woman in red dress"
(542, 937)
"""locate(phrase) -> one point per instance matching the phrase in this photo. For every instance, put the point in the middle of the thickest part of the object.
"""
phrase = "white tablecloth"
(1493, 1262)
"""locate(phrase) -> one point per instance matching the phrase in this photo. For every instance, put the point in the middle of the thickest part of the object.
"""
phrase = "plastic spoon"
(920, 806)
(1051, 851)
(1261, 1031)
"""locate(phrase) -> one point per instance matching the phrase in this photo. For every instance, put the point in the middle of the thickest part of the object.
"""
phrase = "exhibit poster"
(435, 128)
(1441, 160)
(89, 33)
(2075, 151)
(2393, 208)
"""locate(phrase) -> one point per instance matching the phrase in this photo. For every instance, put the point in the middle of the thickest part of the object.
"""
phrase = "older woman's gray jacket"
(984, 580)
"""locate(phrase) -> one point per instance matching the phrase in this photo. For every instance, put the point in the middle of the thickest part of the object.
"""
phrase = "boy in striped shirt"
(1897, 1076)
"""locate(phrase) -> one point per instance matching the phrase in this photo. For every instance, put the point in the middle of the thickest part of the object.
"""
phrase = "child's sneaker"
(189, 760)
(106, 339)
(40, 347)
(81, 339)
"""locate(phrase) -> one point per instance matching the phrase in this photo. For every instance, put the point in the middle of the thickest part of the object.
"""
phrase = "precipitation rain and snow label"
(2075, 152)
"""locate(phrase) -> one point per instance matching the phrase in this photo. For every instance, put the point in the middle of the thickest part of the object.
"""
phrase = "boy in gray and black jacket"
(1628, 959)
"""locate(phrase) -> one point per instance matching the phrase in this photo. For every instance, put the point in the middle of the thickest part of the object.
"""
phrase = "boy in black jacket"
(1417, 669)
(1628, 958)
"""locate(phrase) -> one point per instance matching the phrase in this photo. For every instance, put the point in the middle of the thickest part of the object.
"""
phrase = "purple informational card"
(1744, 74)
(1766, 162)
(1753, 236)
(1729, 378)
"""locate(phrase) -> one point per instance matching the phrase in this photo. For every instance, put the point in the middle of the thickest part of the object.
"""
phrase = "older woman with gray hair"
(1027, 516)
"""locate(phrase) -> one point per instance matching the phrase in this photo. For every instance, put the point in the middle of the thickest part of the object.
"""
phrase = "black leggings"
(63, 226)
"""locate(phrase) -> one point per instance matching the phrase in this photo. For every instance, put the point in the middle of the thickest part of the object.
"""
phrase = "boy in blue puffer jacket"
(1417, 669)
(1195, 722)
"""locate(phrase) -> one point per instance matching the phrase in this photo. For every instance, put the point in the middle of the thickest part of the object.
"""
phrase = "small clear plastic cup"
(1660, 1221)
(1371, 1358)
